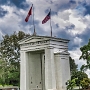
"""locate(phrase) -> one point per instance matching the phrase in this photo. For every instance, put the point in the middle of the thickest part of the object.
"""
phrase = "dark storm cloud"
(64, 6)
(87, 9)
(5, 30)
(72, 45)
(50, 1)
(30, 21)
(39, 31)
(57, 25)
(65, 35)
(70, 27)
(18, 3)
(2, 12)
(72, 2)
(3, 1)
(24, 5)
(85, 36)
(52, 12)
(85, 5)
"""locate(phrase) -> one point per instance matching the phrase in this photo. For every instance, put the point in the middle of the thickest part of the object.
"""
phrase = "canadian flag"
(28, 15)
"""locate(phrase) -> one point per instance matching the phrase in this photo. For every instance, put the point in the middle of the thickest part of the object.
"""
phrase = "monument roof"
(41, 38)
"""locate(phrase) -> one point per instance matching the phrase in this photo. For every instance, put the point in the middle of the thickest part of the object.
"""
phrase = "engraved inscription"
(34, 43)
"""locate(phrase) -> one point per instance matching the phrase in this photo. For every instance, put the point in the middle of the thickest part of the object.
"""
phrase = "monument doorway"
(36, 70)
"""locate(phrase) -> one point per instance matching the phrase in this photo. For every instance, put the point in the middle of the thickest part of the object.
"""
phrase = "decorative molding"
(43, 38)
(50, 47)
(34, 43)
(63, 53)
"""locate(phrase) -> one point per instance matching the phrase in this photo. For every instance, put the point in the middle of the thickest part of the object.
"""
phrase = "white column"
(50, 80)
(65, 69)
(62, 70)
(24, 71)
(58, 69)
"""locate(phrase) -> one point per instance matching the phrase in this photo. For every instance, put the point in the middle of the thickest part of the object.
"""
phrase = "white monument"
(44, 63)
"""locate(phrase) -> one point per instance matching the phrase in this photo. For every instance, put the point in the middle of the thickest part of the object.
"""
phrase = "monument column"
(24, 71)
(50, 80)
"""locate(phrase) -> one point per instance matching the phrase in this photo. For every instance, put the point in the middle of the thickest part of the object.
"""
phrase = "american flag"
(46, 18)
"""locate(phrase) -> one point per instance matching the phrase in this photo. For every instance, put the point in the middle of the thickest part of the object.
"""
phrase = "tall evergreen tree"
(73, 65)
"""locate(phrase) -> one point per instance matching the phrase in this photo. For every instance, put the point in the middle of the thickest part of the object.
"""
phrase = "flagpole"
(50, 22)
(34, 33)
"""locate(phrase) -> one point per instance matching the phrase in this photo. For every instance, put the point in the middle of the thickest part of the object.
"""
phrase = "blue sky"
(70, 20)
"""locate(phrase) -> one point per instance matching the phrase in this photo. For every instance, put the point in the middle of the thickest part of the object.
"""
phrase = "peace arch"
(44, 63)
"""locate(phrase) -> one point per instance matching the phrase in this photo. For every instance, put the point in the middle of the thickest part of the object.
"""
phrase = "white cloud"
(67, 18)
(12, 20)
(86, 20)
(75, 54)
(79, 25)
(88, 72)
(62, 19)
(1, 34)
(77, 40)
(88, 2)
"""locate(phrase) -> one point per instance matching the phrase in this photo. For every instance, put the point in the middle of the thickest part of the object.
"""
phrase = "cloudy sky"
(70, 19)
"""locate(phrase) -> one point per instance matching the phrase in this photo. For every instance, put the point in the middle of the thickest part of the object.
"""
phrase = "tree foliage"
(3, 71)
(10, 56)
(78, 78)
(86, 55)
(73, 65)
(71, 84)
(79, 75)
(85, 83)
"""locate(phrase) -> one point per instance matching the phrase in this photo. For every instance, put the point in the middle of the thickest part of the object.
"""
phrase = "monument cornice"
(43, 38)
(50, 47)
(35, 43)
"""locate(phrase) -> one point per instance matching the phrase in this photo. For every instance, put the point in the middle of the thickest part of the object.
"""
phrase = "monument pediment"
(40, 38)
(32, 39)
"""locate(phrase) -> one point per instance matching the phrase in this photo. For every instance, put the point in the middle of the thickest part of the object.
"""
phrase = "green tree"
(3, 69)
(71, 84)
(10, 53)
(85, 83)
(73, 66)
(84, 67)
(78, 78)
(86, 55)
(79, 75)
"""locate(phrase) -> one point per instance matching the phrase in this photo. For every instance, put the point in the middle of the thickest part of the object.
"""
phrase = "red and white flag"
(28, 15)
(46, 18)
